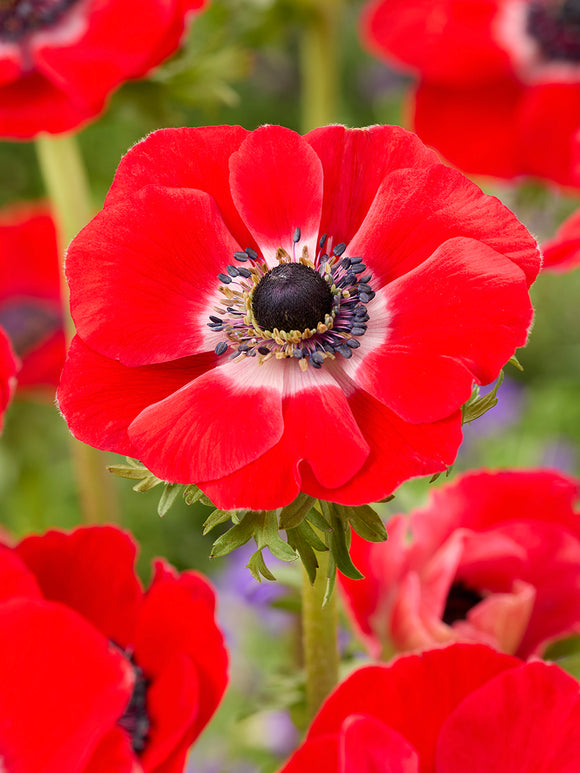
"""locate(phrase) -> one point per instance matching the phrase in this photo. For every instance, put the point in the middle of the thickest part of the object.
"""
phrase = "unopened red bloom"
(61, 59)
(262, 313)
(460, 708)
(562, 253)
(30, 299)
(499, 80)
(494, 557)
(97, 675)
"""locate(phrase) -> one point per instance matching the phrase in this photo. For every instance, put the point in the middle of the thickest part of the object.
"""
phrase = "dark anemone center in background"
(555, 26)
(19, 18)
(29, 322)
(291, 296)
(459, 601)
(135, 721)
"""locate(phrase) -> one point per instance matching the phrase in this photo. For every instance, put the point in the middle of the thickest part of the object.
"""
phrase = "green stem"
(319, 64)
(319, 637)
(67, 186)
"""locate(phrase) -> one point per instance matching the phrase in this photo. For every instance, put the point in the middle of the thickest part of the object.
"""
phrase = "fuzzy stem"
(319, 64)
(67, 187)
(319, 637)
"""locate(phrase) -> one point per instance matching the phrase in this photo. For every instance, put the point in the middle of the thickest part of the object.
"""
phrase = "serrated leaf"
(474, 408)
(168, 497)
(214, 519)
(235, 537)
(305, 551)
(128, 471)
(192, 494)
(330, 580)
(147, 483)
(267, 535)
(319, 521)
(258, 568)
(205, 500)
(294, 513)
(516, 363)
(311, 537)
(364, 520)
(338, 543)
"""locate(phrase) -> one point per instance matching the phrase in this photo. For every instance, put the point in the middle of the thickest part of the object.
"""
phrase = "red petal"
(99, 397)
(316, 416)
(562, 253)
(177, 619)
(15, 577)
(314, 756)
(525, 719)
(348, 194)
(8, 367)
(114, 753)
(63, 685)
(547, 145)
(143, 276)
(399, 451)
(276, 183)
(447, 41)
(475, 128)
(447, 205)
(221, 422)
(456, 318)
(369, 746)
(185, 158)
(91, 570)
(428, 686)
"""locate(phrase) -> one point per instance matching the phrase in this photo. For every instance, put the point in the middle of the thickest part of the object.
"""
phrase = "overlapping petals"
(464, 707)
(562, 253)
(30, 298)
(192, 213)
(57, 75)
(491, 81)
(493, 558)
(103, 675)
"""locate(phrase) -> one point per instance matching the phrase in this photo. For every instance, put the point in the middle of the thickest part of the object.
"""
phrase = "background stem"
(319, 64)
(67, 187)
(319, 637)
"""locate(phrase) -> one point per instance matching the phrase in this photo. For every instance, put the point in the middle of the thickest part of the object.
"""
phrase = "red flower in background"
(562, 253)
(97, 675)
(30, 300)
(8, 367)
(494, 557)
(461, 708)
(499, 80)
(61, 59)
(261, 313)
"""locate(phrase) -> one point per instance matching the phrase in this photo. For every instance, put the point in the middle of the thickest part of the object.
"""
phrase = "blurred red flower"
(494, 558)
(97, 675)
(562, 253)
(262, 313)
(30, 299)
(461, 708)
(499, 80)
(61, 59)
(8, 366)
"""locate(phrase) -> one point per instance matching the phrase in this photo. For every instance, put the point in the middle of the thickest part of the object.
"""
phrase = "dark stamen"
(460, 600)
(555, 26)
(19, 18)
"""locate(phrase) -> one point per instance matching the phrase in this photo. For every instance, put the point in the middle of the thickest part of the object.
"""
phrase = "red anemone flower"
(97, 675)
(494, 558)
(262, 313)
(8, 367)
(61, 59)
(30, 298)
(499, 80)
(562, 253)
(450, 710)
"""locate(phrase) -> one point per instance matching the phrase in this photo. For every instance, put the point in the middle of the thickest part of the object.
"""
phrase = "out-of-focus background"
(240, 65)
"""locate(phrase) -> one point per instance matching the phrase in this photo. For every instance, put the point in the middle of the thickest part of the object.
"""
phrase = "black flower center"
(135, 721)
(459, 601)
(19, 18)
(291, 296)
(555, 25)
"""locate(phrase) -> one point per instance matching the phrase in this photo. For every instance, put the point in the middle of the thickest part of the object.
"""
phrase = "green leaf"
(311, 537)
(364, 520)
(129, 471)
(319, 521)
(562, 648)
(237, 536)
(307, 555)
(214, 519)
(192, 494)
(476, 406)
(147, 483)
(258, 568)
(168, 497)
(338, 543)
(267, 535)
(571, 664)
(330, 580)
(296, 511)
(516, 363)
